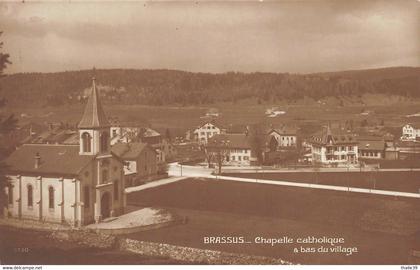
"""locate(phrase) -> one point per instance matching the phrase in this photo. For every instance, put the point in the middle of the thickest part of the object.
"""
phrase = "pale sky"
(288, 36)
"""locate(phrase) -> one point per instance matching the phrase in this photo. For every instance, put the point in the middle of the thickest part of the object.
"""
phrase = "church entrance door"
(106, 205)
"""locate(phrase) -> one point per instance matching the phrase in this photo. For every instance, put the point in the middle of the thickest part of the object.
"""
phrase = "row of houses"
(327, 147)
(236, 141)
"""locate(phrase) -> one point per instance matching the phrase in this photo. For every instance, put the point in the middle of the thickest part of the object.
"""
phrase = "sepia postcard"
(270, 133)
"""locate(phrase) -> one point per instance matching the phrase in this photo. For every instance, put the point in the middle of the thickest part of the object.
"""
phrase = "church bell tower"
(94, 127)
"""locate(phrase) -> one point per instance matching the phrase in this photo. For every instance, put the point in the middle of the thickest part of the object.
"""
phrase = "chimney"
(37, 160)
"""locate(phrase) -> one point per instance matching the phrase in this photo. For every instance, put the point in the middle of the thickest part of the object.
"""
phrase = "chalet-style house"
(140, 164)
(235, 149)
(71, 184)
(333, 148)
(204, 132)
(410, 132)
(286, 137)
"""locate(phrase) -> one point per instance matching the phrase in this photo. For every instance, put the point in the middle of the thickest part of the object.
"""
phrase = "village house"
(371, 149)
(71, 184)
(333, 148)
(410, 132)
(286, 137)
(140, 164)
(205, 131)
(234, 149)
(131, 132)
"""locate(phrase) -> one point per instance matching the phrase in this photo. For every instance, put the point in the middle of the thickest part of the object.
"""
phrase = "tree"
(7, 125)
(220, 156)
(364, 123)
(257, 140)
(209, 156)
(217, 149)
(168, 135)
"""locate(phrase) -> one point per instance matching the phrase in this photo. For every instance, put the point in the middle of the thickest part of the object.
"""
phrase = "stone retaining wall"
(194, 255)
(85, 238)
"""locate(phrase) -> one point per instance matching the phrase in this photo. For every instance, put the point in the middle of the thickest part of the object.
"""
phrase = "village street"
(179, 170)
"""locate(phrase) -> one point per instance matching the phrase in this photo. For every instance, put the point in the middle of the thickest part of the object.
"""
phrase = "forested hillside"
(164, 87)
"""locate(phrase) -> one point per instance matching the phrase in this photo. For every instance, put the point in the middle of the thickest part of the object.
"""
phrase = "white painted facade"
(77, 195)
(410, 133)
(39, 209)
(203, 133)
(334, 154)
(238, 157)
(284, 140)
(70, 202)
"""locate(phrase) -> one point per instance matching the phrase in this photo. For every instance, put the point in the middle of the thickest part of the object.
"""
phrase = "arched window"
(10, 194)
(51, 197)
(116, 190)
(86, 193)
(104, 141)
(30, 196)
(86, 142)
(105, 176)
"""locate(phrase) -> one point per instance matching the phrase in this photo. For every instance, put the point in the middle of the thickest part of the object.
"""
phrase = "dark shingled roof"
(372, 145)
(128, 151)
(284, 131)
(336, 137)
(94, 115)
(55, 159)
(233, 141)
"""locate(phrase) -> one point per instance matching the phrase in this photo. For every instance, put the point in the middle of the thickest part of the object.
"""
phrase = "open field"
(405, 181)
(182, 118)
(382, 228)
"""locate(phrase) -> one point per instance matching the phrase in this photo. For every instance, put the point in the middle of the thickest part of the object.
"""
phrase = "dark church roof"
(94, 116)
(61, 160)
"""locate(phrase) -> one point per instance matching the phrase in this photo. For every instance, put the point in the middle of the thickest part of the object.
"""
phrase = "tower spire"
(93, 116)
(329, 129)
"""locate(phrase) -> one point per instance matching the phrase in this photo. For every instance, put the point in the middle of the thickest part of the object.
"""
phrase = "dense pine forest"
(171, 87)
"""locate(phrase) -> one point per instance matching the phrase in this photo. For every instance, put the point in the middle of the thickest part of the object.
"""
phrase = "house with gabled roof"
(235, 148)
(140, 162)
(205, 131)
(286, 137)
(410, 132)
(69, 184)
(334, 147)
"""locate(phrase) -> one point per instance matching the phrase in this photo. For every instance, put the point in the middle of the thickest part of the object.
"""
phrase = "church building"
(71, 184)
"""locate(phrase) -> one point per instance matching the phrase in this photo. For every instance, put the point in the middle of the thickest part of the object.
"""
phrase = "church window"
(86, 193)
(86, 142)
(51, 197)
(104, 141)
(104, 176)
(30, 196)
(10, 194)
(116, 190)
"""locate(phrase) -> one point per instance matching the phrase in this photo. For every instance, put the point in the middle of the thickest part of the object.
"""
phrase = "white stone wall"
(69, 206)
(40, 208)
